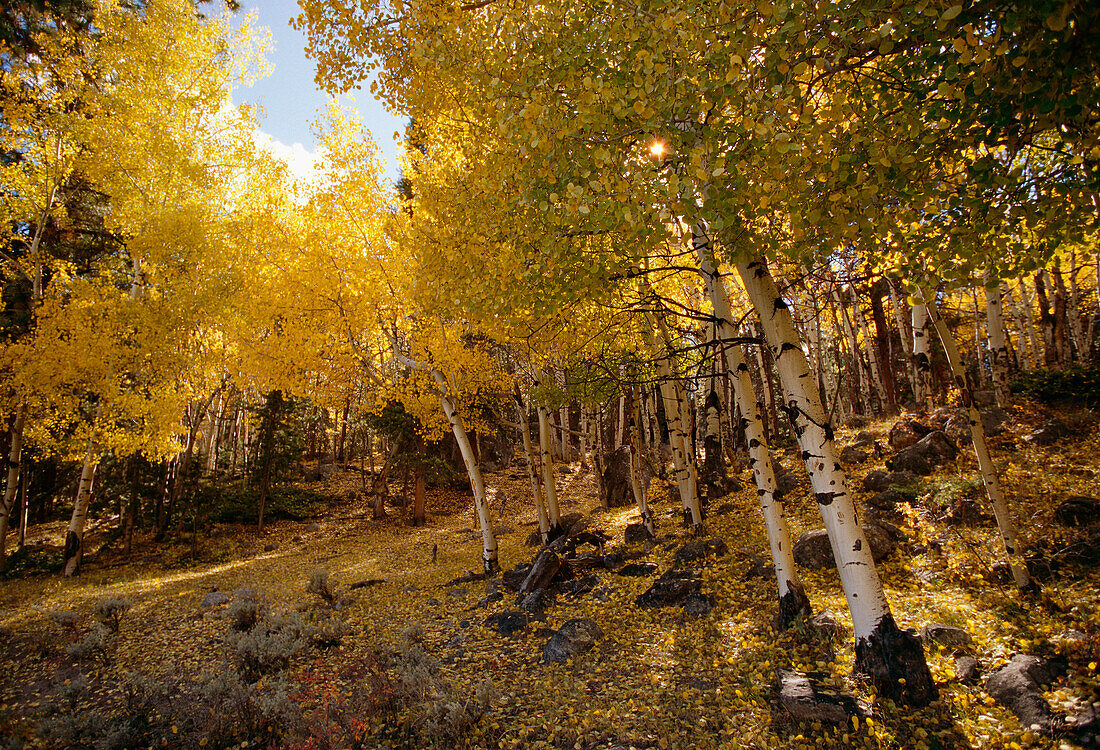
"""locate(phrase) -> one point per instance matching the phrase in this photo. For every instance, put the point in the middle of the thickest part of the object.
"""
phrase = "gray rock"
(574, 637)
(313, 526)
(637, 569)
(967, 669)
(852, 455)
(1048, 433)
(994, 419)
(812, 550)
(945, 635)
(698, 605)
(537, 602)
(805, 699)
(215, 599)
(244, 594)
(270, 547)
(922, 457)
(826, 624)
(569, 520)
(863, 439)
(906, 432)
(671, 589)
(458, 593)
(502, 530)
(508, 622)
(879, 480)
(636, 533)
(700, 549)
(433, 602)
(1084, 727)
(1078, 510)
(1016, 686)
(887, 500)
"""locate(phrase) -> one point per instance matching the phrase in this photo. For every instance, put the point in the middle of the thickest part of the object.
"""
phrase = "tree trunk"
(637, 484)
(882, 341)
(549, 482)
(1005, 524)
(11, 489)
(532, 465)
(1046, 323)
(892, 658)
(793, 602)
(271, 421)
(1061, 325)
(922, 360)
(998, 347)
(490, 563)
(131, 506)
(74, 536)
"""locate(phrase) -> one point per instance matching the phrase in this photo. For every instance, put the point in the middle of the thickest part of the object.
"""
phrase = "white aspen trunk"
(905, 333)
(620, 424)
(548, 473)
(583, 438)
(11, 488)
(637, 485)
(793, 601)
(532, 467)
(892, 658)
(878, 383)
(1022, 345)
(1005, 524)
(74, 537)
(566, 438)
(978, 357)
(489, 559)
(853, 347)
(922, 360)
(689, 498)
(998, 346)
(1073, 311)
(1029, 316)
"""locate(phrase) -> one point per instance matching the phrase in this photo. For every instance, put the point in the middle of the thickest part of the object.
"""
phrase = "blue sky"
(292, 102)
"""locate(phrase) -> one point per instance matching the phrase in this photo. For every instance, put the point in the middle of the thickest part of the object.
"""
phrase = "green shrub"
(1079, 383)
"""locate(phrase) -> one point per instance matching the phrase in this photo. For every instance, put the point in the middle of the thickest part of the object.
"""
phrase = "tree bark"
(637, 484)
(532, 465)
(490, 563)
(11, 488)
(793, 602)
(271, 420)
(1005, 524)
(74, 536)
(548, 479)
(892, 658)
(998, 347)
(922, 360)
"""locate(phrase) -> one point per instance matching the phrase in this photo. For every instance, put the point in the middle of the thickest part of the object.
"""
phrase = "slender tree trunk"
(922, 360)
(882, 345)
(490, 563)
(1046, 322)
(637, 484)
(1005, 524)
(1033, 335)
(998, 347)
(131, 506)
(548, 478)
(1061, 326)
(903, 316)
(892, 658)
(532, 465)
(793, 602)
(11, 488)
(583, 449)
(24, 505)
(271, 421)
(74, 536)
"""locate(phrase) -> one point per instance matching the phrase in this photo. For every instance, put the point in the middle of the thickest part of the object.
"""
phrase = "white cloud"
(301, 163)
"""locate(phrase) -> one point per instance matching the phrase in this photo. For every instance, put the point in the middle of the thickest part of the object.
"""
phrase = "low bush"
(1079, 384)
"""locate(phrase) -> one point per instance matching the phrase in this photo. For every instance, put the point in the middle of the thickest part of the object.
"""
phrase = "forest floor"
(417, 659)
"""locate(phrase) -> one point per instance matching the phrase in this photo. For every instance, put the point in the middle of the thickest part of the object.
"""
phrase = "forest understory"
(345, 631)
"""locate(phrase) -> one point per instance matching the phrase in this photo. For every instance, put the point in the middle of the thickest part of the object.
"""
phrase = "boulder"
(508, 622)
(637, 569)
(945, 635)
(994, 419)
(700, 549)
(543, 571)
(922, 457)
(671, 589)
(887, 500)
(534, 539)
(569, 520)
(574, 637)
(965, 511)
(215, 599)
(879, 480)
(812, 550)
(513, 579)
(1082, 549)
(636, 533)
(852, 455)
(458, 593)
(1017, 687)
(1048, 432)
(785, 480)
(826, 625)
(1078, 510)
(967, 669)
(698, 605)
(805, 699)
(1084, 727)
(906, 432)
(863, 439)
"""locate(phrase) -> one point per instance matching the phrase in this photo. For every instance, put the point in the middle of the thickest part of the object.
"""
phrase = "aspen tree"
(891, 657)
